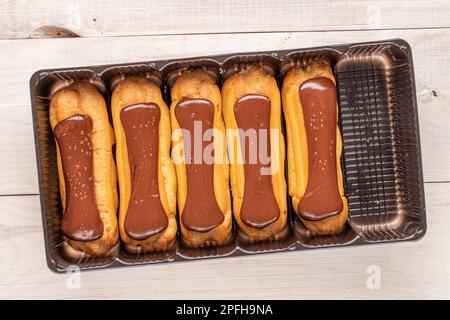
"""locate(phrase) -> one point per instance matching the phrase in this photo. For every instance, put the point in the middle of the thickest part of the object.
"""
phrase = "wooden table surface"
(123, 31)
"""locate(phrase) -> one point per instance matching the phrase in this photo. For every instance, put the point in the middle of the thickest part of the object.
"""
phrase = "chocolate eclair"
(147, 180)
(314, 148)
(86, 170)
(252, 114)
(199, 153)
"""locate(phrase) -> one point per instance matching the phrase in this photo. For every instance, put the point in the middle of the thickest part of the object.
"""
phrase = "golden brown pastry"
(199, 154)
(87, 174)
(251, 102)
(147, 180)
(314, 148)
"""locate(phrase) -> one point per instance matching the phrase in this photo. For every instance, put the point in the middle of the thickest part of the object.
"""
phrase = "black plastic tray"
(381, 147)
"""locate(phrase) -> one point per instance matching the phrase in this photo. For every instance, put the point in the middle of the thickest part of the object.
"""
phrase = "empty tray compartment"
(381, 151)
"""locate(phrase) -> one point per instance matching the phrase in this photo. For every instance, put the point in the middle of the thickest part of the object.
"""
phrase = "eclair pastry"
(147, 180)
(86, 170)
(199, 153)
(252, 110)
(314, 148)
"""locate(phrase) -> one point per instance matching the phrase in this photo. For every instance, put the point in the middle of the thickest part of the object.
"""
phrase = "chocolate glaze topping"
(259, 206)
(145, 215)
(81, 220)
(201, 212)
(322, 198)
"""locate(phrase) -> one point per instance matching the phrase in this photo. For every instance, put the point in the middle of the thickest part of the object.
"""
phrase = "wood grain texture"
(17, 155)
(17, 161)
(21, 19)
(408, 270)
(147, 30)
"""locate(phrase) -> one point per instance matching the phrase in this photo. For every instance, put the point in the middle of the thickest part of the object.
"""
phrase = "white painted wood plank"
(17, 162)
(408, 270)
(17, 155)
(19, 19)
